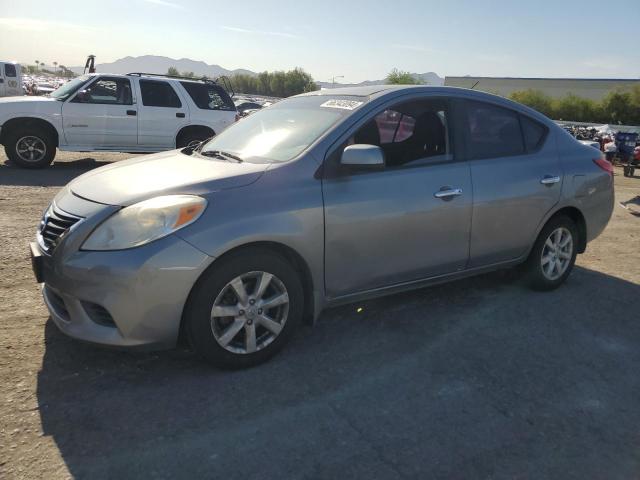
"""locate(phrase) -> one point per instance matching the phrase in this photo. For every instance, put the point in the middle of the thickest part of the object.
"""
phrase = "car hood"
(26, 99)
(13, 106)
(130, 181)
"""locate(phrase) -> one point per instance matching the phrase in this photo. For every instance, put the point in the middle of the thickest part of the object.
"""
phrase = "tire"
(537, 267)
(186, 140)
(625, 171)
(632, 171)
(207, 332)
(34, 138)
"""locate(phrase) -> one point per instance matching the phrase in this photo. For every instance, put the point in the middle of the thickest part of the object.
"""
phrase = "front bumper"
(127, 298)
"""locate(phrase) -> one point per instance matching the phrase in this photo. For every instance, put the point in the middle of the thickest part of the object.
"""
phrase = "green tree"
(534, 99)
(173, 72)
(276, 84)
(399, 77)
(37, 63)
(188, 74)
(617, 108)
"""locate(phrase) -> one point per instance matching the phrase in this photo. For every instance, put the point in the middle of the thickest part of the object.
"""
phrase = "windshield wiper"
(220, 154)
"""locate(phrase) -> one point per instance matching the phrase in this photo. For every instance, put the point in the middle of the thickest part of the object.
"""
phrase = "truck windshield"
(69, 88)
(284, 130)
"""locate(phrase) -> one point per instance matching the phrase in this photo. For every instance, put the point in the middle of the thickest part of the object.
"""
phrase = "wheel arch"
(19, 122)
(289, 254)
(189, 129)
(578, 218)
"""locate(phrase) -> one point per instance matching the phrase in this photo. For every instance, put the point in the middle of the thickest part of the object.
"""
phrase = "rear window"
(534, 133)
(158, 94)
(208, 97)
(493, 131)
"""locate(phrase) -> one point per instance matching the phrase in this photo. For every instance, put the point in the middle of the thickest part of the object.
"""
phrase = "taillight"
(604, 164)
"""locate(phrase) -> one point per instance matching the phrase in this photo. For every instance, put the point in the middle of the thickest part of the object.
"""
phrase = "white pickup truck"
(10, 79)
(134, 113)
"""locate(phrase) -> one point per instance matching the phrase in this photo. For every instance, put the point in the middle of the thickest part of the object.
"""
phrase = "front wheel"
(30, 147)
(553, 255)
(244, 309)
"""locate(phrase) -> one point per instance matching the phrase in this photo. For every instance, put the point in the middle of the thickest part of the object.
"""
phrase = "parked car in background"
(10, 79)
(314, 202)
(115, 113)
(591, 143)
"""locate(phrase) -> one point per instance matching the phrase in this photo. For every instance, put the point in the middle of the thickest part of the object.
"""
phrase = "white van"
(10, 79)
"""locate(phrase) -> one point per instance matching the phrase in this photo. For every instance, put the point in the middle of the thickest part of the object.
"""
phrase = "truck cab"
(137, 112)
(10, 79)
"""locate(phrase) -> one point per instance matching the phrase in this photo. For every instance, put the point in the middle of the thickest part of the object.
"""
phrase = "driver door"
(393, 225)
(103, 114)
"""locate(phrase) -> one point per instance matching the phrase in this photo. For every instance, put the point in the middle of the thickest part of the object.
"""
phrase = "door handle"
(550, 180)
(180, 115)
(132, 113)
(446, 193)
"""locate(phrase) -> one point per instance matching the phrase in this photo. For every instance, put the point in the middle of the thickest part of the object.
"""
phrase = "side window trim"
(330, 165)
(542, 140)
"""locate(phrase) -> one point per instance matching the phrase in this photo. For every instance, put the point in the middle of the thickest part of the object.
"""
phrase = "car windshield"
(66, 90)
(284, 130)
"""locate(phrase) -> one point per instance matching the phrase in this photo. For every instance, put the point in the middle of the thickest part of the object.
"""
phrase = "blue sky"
(358, 39)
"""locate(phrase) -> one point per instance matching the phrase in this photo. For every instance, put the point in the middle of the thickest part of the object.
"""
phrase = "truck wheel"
(195, 137)
(30, 148)
(632, 171)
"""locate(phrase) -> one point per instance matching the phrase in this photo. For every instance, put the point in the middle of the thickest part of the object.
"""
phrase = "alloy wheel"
(250, 312)
(31, 149)
(557, 253)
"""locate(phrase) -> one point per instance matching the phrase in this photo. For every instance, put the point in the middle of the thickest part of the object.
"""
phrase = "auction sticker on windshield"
(344, 104)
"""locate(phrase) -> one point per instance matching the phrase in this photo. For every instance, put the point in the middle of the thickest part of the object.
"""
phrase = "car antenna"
(474, 85)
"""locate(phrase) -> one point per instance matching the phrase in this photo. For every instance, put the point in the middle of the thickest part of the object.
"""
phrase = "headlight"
(145, 222)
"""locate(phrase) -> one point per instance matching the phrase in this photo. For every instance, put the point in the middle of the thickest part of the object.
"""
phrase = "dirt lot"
(480, 378)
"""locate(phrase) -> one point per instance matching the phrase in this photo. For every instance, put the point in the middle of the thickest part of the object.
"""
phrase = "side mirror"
(81, 97)
(365, 156)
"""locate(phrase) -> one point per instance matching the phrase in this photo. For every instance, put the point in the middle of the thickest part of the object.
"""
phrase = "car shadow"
(57, 175)
(477, 378)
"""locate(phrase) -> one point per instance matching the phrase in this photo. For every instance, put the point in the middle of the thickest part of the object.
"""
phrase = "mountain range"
(160, 64)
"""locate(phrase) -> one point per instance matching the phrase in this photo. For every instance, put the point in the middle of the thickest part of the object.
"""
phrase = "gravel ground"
(480, 378)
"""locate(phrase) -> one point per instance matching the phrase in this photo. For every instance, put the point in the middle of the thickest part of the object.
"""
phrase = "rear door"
(516, 177)
(408, 221)
(162, 114)
(211, 106)
(103, 114)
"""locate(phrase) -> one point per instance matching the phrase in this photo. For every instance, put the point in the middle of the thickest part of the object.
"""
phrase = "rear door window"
(534, 133)
(208, 97)
(493, 131)
(159, 94)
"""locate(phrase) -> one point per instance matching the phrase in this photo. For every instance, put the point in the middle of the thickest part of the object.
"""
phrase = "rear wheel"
(553, 255)
(194, 137)
(244, 309)
(30, 147)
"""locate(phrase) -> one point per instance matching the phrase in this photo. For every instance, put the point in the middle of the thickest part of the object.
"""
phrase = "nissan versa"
(324, 198)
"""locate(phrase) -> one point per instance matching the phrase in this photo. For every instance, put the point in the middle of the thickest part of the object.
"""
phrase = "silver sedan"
(321, 199)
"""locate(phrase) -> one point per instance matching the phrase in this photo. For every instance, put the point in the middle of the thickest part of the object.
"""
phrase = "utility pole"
(333, 80)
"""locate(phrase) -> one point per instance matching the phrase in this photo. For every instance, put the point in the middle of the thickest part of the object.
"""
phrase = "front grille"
(54, 225)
